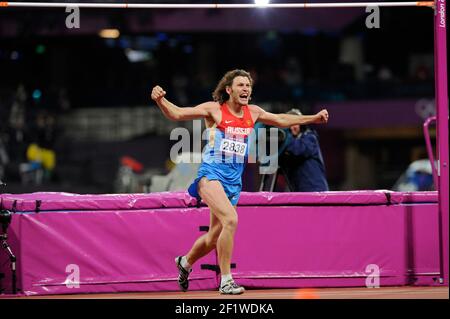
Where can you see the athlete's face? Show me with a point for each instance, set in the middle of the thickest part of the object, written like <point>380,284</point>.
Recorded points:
<point>240,90</point>
<point>295,129</point>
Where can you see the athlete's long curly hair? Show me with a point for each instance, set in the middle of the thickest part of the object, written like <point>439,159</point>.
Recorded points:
<point>220,94</point>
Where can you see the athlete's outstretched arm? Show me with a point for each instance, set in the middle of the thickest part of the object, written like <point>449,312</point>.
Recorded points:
<point>287,120</point>
<point>175,113</point>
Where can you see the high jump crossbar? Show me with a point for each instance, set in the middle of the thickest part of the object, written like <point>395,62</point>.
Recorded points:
<point>215,5</point>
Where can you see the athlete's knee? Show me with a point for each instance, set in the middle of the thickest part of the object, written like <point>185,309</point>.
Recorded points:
<point>230,222</point>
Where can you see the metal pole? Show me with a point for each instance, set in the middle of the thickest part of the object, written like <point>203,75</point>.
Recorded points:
<point>13,261</point>
<point>441,93</point>
<point>214,6</point>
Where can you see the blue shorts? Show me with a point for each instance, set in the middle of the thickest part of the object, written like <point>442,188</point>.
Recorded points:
<point>233,191</point>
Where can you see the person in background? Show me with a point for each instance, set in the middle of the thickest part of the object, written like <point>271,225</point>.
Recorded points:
<point>41,150</point>
<point>303,161</point>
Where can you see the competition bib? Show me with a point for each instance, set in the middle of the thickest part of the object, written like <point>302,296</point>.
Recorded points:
<point>233,147</point>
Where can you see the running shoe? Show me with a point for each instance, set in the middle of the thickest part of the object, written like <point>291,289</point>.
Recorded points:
<point>183,275</point>
<point>231,288</point>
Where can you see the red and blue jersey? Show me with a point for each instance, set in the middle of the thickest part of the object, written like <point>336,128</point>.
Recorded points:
<point>226,150</point>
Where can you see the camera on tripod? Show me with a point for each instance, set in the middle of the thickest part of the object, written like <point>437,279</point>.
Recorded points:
<point>269,166</point>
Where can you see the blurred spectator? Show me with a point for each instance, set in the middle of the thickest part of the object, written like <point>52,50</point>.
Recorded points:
<point>40,152</point>
<point>14,136</point>
<point>292,73</point>
<point>417,177</point>
<point>303,160</point>
<point>292,77</point>
<point>63,100</point>
<point>385,74</point>
<point>180,84</point>
<point>4,160</point>
<point>422,73</point>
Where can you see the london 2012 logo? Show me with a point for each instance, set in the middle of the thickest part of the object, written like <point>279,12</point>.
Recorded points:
<point>441,12</point>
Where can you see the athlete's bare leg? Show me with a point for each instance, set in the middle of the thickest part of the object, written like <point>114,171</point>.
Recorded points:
<point>214,196</point>
<point>207,242</point>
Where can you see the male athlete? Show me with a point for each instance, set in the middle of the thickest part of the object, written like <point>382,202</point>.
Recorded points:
<point>229,121</point>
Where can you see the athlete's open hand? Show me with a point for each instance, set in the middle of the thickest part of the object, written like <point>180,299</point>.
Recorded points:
<point>322,117</point>
<point>158,93</point>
